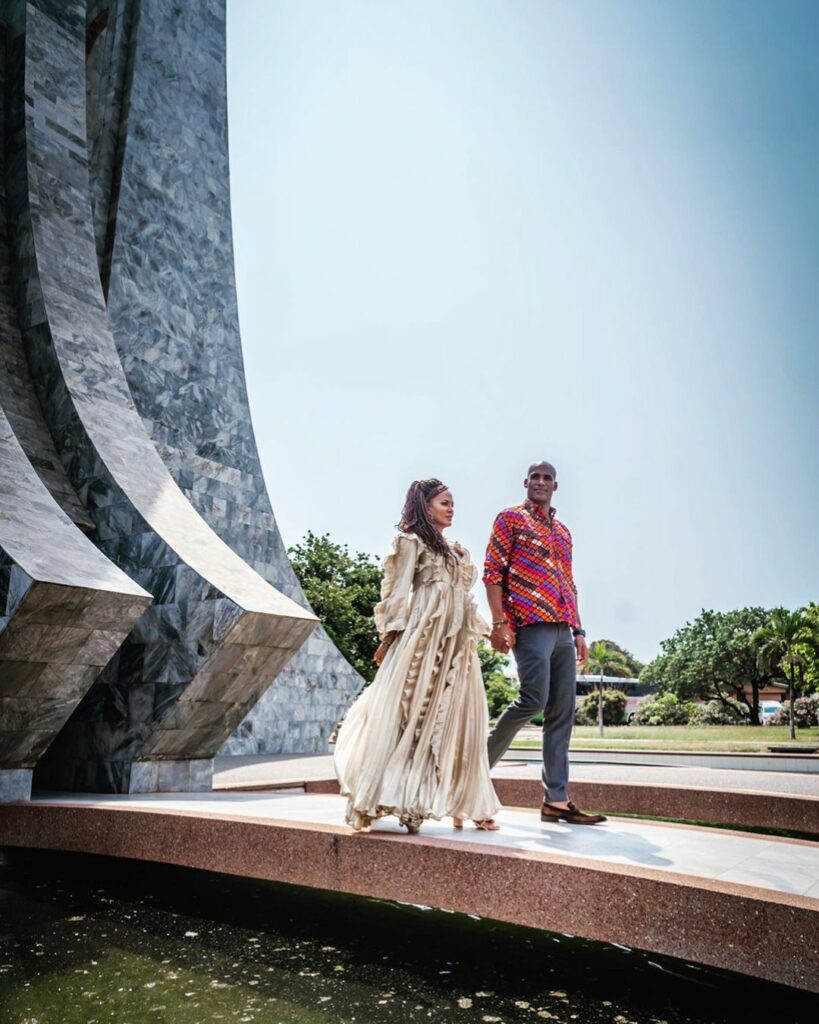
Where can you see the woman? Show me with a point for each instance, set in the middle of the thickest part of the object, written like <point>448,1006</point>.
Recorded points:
<point>414,743</point>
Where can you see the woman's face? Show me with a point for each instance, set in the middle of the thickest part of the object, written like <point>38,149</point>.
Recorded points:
<point>441,509</point>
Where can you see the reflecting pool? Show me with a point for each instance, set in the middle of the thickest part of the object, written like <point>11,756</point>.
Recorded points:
<point>89,940</point>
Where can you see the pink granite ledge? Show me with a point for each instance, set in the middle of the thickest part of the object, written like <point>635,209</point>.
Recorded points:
<point>726,807</point>
<point>765,934</point>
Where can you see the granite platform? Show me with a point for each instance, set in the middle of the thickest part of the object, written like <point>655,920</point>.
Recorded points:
<point>740,902</point>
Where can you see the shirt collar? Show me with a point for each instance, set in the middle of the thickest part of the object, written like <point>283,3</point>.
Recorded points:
<point>534,509</point>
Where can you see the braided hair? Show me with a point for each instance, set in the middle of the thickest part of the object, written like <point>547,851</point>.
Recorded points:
<point>415,515</point>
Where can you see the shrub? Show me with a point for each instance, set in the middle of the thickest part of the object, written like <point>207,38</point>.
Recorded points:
<point>717,712</point>
<point>805,712</point>
<point>614,708</point>
<point>663,709</point>
<point>499,692</point>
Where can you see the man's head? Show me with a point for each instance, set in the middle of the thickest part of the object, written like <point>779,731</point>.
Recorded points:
<point>541,483</point>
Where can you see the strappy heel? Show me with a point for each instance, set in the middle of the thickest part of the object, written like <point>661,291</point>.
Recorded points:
<point>485,825</point>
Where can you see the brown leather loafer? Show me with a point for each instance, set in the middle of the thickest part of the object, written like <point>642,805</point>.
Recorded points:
<point>571,814</point>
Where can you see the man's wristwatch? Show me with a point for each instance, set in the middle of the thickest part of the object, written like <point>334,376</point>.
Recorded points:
<point>578,632</point>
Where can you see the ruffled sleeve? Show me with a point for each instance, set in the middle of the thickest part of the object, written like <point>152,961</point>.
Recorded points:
<point>392,612</point>
<point>475,622</point>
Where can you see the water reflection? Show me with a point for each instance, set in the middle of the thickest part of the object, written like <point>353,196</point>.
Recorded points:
<point>87,940</point>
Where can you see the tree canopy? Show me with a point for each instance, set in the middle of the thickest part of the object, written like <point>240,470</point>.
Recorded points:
<point>808,649</point>
<point>608,659</point>
<point>782,644</point>
<point>713,658</point>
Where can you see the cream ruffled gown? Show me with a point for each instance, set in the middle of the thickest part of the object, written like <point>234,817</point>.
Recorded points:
<point>414,742</point>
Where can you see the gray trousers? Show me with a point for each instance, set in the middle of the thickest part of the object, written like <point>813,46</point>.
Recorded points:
<point>545,655</point>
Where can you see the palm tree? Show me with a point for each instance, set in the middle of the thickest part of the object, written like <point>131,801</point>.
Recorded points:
<point>777,642</point>
<point>603,660</point>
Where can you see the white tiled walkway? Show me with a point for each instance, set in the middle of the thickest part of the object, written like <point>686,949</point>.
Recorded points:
<point>784,866</point>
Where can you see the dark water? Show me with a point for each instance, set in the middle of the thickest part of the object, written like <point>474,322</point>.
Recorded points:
<point>88,940</point>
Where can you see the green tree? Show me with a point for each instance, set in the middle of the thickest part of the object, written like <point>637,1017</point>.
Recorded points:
<point>809,650</point>
<point>714,658</point>
<point>779,647</point>
<point>343,589</point>
<point>635,666</point>
<point>605,660</point>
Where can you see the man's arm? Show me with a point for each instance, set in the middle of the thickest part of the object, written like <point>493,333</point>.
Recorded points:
<point>580,645</point>
<point>503,636</point>
<point>496,564</point>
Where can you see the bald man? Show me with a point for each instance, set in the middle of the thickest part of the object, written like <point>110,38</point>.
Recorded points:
<point>533,600</point>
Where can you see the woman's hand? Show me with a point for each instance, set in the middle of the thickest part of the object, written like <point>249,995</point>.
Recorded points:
<point>502,637</point>
<point>383,647</point>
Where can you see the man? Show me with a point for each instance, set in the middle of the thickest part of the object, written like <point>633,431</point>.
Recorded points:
<point>533,600</point>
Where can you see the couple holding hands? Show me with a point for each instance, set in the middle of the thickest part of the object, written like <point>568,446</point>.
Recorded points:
<point>414,744</point>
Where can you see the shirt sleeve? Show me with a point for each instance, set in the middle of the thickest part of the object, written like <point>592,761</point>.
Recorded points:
<point>568,563</point>
<point>392,611</point>
<point>498,551</point>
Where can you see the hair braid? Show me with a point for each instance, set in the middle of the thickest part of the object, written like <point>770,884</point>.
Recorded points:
<point>415,515</point>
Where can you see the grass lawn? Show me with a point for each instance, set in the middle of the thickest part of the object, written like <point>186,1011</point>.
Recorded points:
<point>676,737</point>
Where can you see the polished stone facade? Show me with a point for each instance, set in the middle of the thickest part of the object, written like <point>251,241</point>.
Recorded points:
<point>126,415</point>
<point>65,610</point>
<point>172,306</point>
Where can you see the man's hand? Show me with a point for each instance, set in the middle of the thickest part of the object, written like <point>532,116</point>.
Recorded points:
<point>502,638</point>
<point>582,649</point>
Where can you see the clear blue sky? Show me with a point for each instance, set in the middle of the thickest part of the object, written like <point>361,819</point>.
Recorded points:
<point>473,234</point>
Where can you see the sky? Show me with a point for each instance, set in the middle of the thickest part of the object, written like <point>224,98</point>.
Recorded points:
<point>471,235</point>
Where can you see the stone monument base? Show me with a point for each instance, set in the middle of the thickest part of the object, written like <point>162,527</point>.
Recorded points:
<point>15,784</point>
<point>171,776</point>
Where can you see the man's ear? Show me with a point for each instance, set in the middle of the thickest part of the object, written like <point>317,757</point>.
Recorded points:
<point>556,485</point>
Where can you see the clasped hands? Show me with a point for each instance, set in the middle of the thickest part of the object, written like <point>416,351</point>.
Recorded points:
<point>502,640</point>
<point>502,637</point>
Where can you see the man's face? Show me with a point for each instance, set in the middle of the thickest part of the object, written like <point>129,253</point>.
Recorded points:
<point>541,483</point>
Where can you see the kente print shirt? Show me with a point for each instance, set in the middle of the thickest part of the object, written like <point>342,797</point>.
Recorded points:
<point>530,556</point>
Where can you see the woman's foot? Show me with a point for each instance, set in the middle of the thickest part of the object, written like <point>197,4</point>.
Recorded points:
<point>487,825</point>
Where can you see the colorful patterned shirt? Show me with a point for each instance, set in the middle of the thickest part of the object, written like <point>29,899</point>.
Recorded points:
<point>530,556</point>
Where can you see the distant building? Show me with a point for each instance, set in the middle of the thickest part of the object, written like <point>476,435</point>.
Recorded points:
<point>770,691</point>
